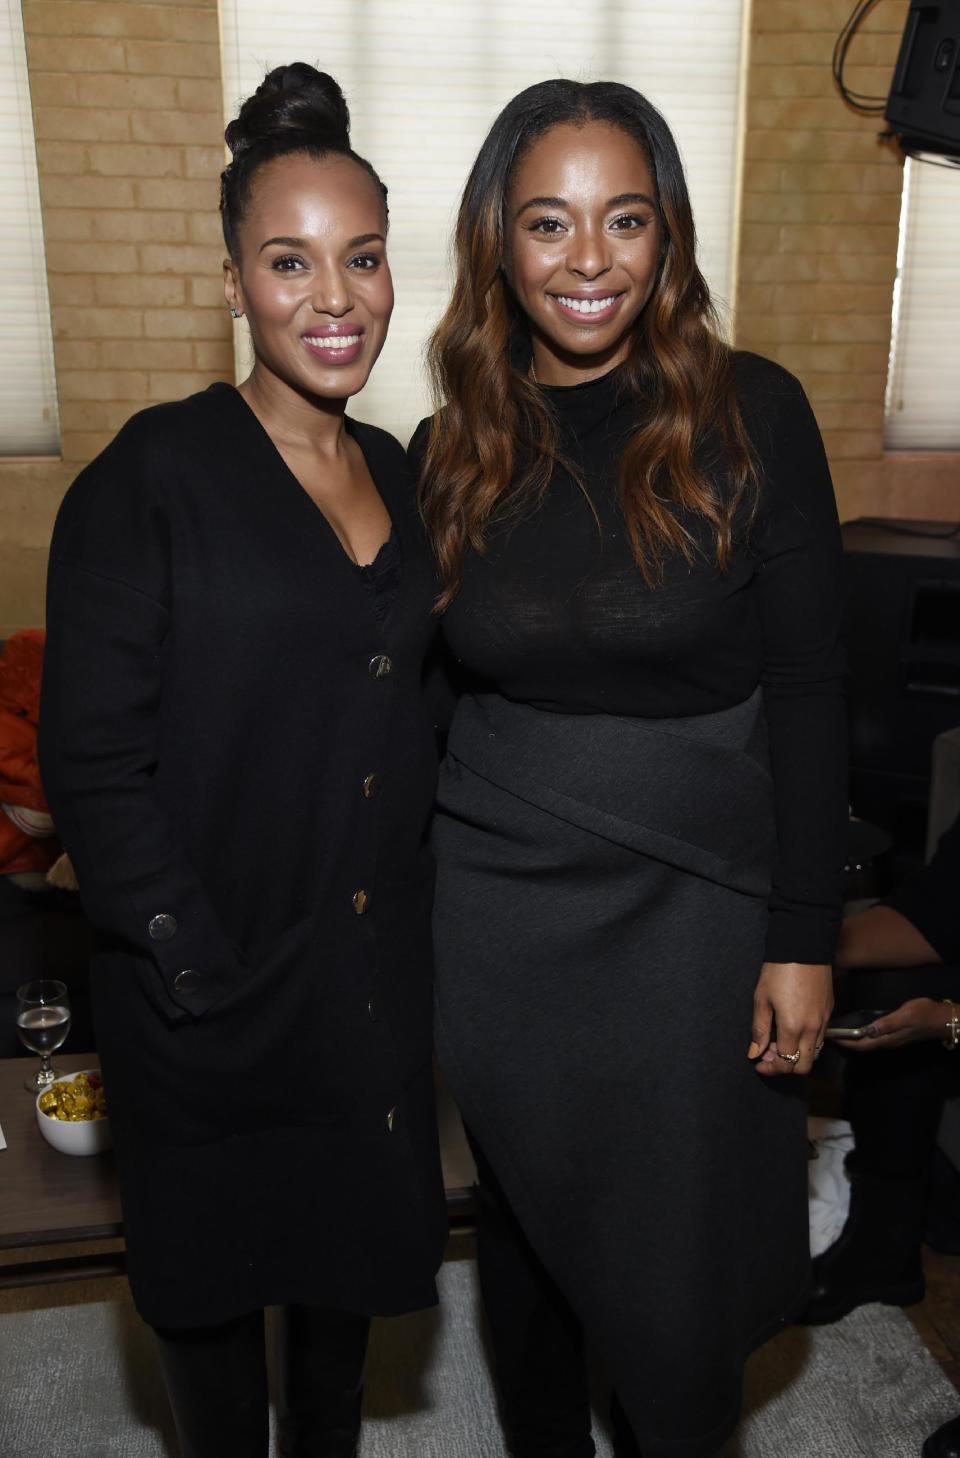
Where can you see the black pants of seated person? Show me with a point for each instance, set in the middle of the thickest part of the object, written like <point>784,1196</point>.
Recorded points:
<point>894,1100</point>
<point>216,1380</point>
<point>894,1097</point>
<point>536,1339</point>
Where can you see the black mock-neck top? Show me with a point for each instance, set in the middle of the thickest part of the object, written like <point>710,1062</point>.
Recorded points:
<point>556,614</point>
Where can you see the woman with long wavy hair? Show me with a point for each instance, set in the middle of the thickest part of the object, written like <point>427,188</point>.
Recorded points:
<point>641,812</point>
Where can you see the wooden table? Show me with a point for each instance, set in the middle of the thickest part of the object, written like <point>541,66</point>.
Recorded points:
<point>48,1198</point>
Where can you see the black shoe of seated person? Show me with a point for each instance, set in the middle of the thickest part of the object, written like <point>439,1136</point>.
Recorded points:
<point>945,1442</point>
<point>877,1255</point>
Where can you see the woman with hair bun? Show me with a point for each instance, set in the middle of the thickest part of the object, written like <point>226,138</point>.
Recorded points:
<point>236,753</point>
<point>642,809</point>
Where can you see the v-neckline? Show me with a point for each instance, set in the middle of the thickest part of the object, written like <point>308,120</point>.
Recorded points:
<point>312,506</point>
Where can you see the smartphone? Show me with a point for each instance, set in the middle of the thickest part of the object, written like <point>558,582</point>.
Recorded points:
<point>853,1024</point>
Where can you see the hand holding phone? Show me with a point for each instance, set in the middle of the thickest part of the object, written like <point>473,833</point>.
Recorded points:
<point>853,1024</point>
<point>919,1019</point>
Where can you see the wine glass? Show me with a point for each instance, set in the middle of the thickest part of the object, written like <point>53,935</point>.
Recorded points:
<point>43,1022</point>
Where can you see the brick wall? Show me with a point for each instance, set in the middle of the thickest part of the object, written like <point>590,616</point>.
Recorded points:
<point>819,226</point>
<point>129,125</point>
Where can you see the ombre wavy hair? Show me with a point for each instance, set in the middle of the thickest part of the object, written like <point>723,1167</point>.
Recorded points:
<point>493,443</point>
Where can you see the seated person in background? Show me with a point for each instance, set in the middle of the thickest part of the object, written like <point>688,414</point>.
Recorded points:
<point>28,847</point>
<point>894,1096</point>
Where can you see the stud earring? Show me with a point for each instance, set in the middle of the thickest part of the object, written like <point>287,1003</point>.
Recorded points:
<point>235,313</point>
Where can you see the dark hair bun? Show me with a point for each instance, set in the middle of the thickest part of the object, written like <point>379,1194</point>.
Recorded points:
<point>292,99</point>
<point>294,109</point>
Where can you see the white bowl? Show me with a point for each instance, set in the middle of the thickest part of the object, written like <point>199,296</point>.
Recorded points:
<point>82,1136</point>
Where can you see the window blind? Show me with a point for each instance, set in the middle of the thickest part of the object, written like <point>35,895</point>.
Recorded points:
<point>923,389</point>
<point>424,83</point>
<point>28,389</point>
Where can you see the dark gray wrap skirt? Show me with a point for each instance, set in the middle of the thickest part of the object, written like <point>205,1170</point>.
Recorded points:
<point>600,917</point>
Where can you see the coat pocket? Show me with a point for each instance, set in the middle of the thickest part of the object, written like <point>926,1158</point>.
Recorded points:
<point>227,1074</point>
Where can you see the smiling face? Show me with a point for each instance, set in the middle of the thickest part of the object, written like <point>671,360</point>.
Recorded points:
<point>582,244</point>
<point>312,276</point>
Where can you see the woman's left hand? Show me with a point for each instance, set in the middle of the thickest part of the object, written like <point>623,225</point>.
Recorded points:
<point>913,1022</point>
<point>798,998</point>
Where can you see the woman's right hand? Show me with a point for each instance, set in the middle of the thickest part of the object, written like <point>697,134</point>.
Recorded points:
<point>796,999</point>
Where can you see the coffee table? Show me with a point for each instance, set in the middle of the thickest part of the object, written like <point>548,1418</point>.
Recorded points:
<point>53,1199</point>
<point>48,1198</point>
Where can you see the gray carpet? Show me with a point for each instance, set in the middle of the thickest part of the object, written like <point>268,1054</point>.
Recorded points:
<point>79,1381</point>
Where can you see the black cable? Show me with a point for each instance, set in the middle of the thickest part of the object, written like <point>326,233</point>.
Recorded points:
<point>857,99</point>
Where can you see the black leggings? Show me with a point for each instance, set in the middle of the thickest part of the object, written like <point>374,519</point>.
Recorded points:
<point>216,1380</point>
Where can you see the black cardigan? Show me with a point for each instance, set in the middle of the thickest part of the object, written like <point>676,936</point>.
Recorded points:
<point>238,761</point>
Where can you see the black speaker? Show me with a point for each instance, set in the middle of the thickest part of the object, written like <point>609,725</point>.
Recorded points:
<point>903,646</point>
<point>924,102</point>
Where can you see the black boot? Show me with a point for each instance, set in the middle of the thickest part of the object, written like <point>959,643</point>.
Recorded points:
<point>216,1380</point>
<point>945,1442</point>
<point>877,1255</point>
<point>320,1365</point>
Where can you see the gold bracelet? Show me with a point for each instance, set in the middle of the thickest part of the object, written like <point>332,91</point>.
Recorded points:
<point>953,1026</point>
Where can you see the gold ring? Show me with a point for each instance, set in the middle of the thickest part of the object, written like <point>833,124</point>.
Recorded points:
<point>789,1057</point>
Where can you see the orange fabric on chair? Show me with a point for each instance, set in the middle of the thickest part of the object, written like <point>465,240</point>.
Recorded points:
<point>27,840</point>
